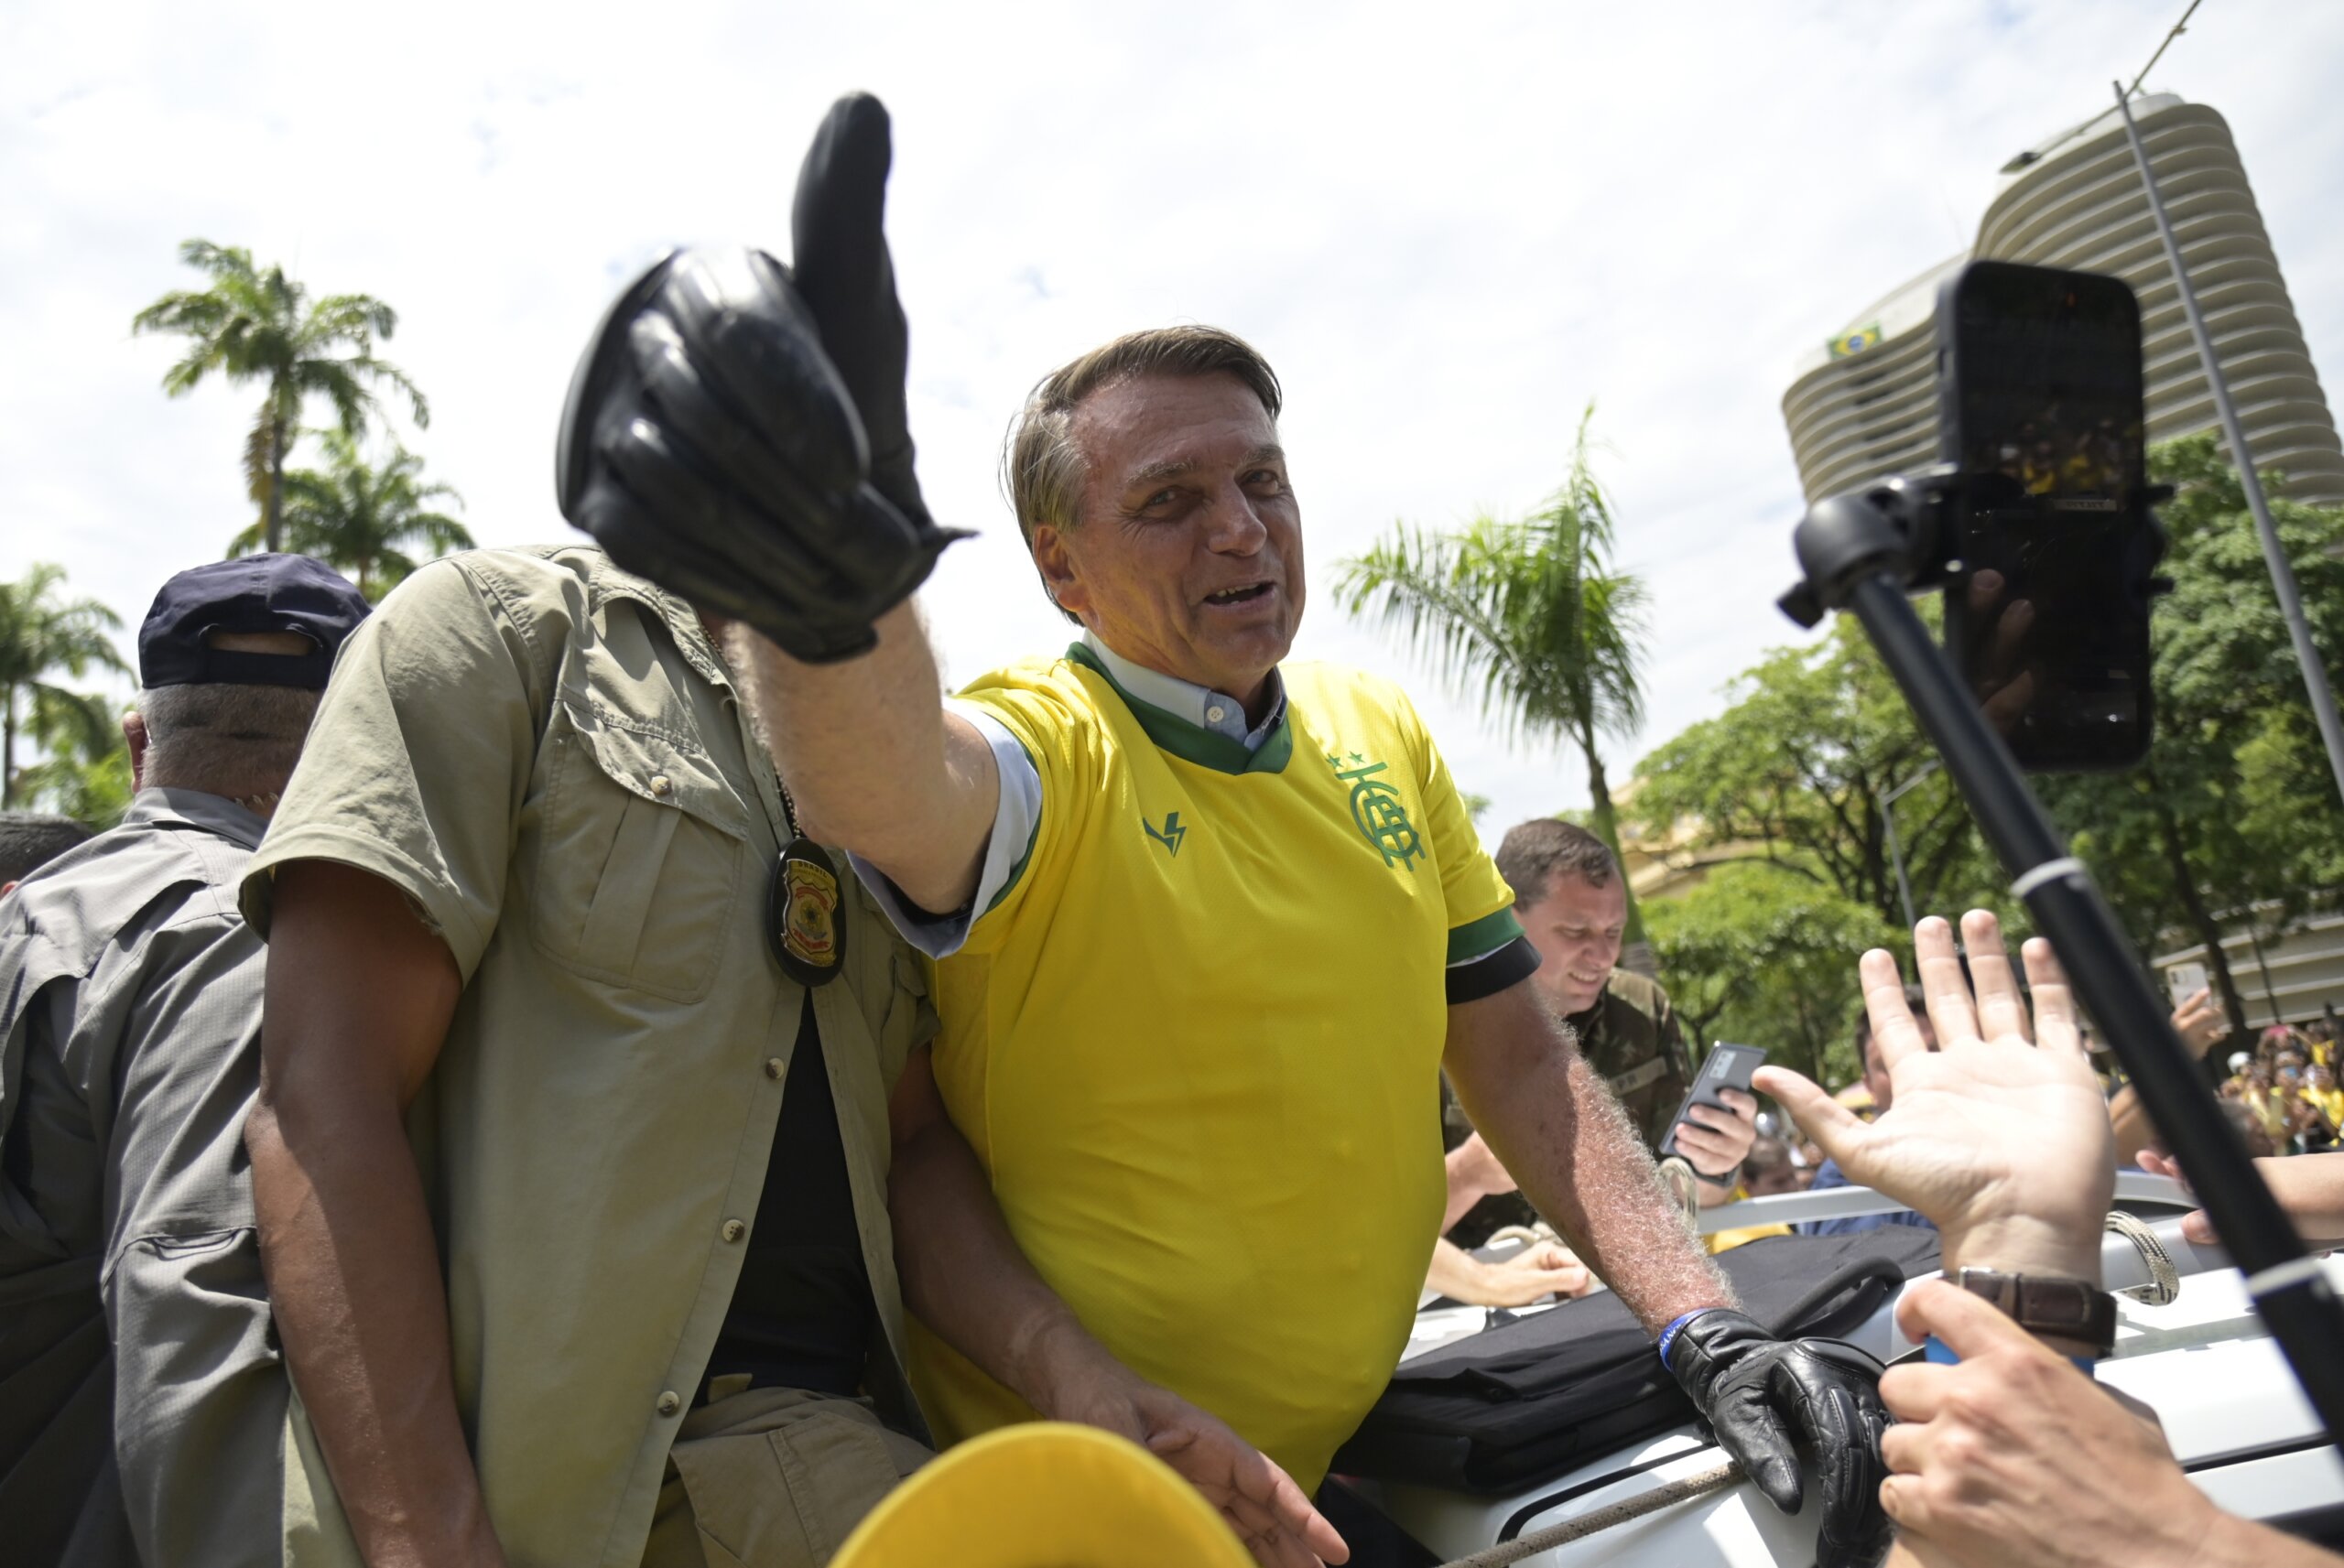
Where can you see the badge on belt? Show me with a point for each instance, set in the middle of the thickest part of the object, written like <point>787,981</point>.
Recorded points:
<point>803,919</point>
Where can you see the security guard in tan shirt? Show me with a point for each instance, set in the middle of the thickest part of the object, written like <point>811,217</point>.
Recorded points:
<point>571,1156</point>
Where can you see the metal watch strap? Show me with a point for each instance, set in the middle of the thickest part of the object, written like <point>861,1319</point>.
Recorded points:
<point>2046,1304</point>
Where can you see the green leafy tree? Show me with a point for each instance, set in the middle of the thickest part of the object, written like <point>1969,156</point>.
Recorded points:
<point>255,325</point>
<point>86,776</point>
<point>1797,771</point>
<point>1529,615</point>
<point>41,634</point>
<point>362,518</point>
<point>1766,958</point>
<point>2234,812</point>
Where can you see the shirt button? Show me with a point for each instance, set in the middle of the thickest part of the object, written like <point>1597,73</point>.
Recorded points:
<point>774,1067</point>
<point>660,786</point>
<point>669,1401</point>
<point>1215,715</point>
<point>733,1230</point>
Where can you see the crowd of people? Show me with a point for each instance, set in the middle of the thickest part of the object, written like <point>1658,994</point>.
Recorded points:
<point>2286,1087</point>
<point>598,1060</point>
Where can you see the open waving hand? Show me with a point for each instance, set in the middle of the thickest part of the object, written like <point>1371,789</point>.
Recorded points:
<point>2000,1135</point>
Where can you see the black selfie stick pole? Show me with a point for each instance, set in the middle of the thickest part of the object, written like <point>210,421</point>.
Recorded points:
<point>1859,551</point>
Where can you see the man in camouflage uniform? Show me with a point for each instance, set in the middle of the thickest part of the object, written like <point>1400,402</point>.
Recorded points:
<point>1572,902</point>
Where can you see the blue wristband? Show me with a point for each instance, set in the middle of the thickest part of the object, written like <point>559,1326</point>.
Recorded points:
<point>1668,1335</point>
<point>1937,1350</point>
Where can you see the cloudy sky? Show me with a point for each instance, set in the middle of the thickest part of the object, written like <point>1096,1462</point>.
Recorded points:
<point>1450,227</point>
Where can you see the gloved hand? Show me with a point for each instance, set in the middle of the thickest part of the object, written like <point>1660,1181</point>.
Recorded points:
<point>738,435</point>
<point>1764,1395</point>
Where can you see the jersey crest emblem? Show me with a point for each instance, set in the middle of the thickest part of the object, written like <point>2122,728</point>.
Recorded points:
<point>1379,813</point>
<point>1170,834</point>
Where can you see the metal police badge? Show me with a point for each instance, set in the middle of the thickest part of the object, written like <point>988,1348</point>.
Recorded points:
<point>803,917</point>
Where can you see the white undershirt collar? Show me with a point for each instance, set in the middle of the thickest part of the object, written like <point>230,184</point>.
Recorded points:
<point>1207,709</point>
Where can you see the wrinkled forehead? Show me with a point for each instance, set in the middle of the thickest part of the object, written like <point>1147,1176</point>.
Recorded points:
<point>1145,426</point>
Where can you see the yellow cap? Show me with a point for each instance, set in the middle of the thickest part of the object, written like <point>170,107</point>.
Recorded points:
<point>1044,1494</point>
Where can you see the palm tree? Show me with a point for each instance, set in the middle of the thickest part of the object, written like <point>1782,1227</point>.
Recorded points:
<point>39,633</point>
<point>355,516</point>
<point>251,325</point>
<point>1533,614</point>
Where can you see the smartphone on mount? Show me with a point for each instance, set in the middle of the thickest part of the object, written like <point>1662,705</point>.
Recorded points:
<point>1727,1067</point>
<point>2053,547</point>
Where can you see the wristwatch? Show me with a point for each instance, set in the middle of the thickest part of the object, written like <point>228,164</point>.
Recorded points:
<point>1724,1179</point>
<point>2048,1303</point>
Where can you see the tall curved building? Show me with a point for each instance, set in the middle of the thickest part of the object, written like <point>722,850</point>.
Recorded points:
<point>1864,403</point>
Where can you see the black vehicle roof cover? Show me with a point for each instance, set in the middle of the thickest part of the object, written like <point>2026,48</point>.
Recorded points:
<point>1520,1405</point>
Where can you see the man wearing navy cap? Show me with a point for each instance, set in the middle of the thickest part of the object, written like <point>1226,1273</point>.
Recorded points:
<point>141,1398</point>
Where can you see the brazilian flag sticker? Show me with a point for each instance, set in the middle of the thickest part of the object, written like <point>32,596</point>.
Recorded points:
<point>1848,345</point>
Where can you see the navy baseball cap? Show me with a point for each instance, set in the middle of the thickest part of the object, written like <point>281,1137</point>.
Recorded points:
<point>252,593</point>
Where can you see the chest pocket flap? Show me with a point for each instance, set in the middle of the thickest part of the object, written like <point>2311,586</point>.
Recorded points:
<point>641,859</point>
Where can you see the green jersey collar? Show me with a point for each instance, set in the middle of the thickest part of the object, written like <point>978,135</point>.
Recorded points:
<point>1183,736</point>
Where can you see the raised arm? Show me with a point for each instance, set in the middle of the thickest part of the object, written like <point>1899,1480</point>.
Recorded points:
<point>2011,1458</point>
<point>359,998</point>
<point>737,432</point>
<point>875,762</point>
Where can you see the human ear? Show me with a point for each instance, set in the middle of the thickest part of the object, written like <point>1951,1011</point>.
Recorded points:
<point>1061,573</point>
<point>134,733</point>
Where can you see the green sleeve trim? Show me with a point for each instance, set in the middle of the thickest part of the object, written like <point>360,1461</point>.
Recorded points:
<point>1479,938</point>
<point>1192,744</point>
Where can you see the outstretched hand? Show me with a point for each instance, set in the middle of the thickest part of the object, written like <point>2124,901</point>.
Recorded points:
<point>1998,1136</point>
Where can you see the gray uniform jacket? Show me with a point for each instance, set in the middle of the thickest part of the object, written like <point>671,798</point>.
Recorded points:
<point>130,1010</point>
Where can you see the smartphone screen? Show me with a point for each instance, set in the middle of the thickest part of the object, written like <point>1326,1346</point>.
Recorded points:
<point>2047,606</point>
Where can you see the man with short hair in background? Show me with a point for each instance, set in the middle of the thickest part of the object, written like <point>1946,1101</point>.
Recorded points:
<point>1570,896</point>
<point>30,840</point>
<point>141,1400</point>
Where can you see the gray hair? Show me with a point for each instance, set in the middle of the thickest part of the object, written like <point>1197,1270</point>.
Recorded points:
<point>1043,468</point>
<point>224,739</point>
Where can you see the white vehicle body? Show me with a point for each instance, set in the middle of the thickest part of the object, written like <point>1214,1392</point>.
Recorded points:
<point>2231,1410</point>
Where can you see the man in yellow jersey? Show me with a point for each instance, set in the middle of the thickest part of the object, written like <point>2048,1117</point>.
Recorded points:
<point>1209,924</point>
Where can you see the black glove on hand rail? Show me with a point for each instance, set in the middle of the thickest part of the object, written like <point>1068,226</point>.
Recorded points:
<point>1765,1396</point>
<point>737,434</point>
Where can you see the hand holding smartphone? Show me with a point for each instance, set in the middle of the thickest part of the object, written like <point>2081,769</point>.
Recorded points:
<point>1728,1066</point>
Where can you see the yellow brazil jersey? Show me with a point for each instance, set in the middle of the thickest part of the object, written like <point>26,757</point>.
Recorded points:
<point>1195,1043</point>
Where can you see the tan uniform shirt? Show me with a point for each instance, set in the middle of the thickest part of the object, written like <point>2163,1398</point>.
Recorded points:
<point>547,755</point>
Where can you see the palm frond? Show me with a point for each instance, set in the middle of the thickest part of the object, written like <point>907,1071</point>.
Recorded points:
<point>1529,616</point>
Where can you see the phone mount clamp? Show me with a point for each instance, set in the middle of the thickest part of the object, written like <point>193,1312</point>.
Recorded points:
<point>1865,552</point>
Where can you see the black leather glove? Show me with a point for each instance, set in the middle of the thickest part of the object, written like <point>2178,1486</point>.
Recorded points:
<point>730,440</point>
<point>1767,1397</point>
